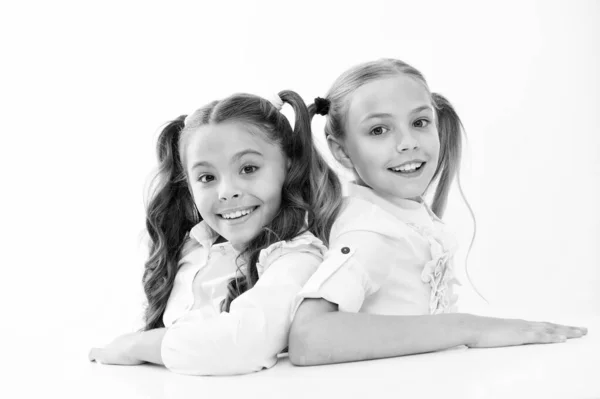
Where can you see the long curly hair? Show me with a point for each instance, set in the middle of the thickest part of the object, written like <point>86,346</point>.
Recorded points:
<point>310,199</point>
<point>450,128</point>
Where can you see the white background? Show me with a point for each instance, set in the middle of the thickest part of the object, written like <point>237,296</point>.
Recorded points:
<point>85,88</point>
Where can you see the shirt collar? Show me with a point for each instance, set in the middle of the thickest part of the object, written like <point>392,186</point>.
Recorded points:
<point>203,234</point>
<point>404,209</point>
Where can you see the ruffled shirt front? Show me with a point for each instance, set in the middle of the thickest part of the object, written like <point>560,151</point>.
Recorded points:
<point>202,340</point>
<point>386,258</point>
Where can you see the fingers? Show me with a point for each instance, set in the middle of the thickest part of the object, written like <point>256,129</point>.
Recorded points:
<point>567,331</point>
<point>556,338</point>
<point>95,355</point>
<point>541,335</point>
<point>543,332</point>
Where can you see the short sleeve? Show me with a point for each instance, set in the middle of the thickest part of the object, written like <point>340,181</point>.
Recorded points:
<point>304,243</point>
<point>355,267</point>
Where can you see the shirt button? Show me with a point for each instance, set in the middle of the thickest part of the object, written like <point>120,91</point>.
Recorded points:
<point>345,250</point>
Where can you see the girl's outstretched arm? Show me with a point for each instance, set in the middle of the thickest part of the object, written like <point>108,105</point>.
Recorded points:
<point>131,349</point>
<point>243,340</point>
<point>322,335</point>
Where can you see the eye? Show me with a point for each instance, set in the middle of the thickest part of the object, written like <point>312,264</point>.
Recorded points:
<point>421,123</point>
<point>249,169</point>
<point>206,178</point>
<point>378,131</point>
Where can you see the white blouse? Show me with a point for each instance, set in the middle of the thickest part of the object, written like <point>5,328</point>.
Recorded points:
<point>386,258</point>
<point>202,340</point>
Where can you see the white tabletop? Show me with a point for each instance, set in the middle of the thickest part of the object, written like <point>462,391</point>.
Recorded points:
<point>568,370</point>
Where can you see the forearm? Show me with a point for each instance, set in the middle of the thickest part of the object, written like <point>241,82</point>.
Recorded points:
<point>337,337</point>
<point>147,346</point>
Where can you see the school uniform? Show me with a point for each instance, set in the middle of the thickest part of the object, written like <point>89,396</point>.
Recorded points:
<point>202,340</point>
<point>386,258</point>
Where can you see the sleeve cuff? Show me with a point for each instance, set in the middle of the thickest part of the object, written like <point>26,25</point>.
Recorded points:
<point>196,347</point>
<point>338,280</point>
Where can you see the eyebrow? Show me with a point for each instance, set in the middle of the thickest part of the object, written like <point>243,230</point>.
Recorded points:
<point>235,158</point>
<point>422,108</point>
<point>240,154</point>
<point>376,115</point>
<point>387,115</point>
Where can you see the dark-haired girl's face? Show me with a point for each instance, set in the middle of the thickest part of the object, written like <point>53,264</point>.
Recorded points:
<point>236,177</point>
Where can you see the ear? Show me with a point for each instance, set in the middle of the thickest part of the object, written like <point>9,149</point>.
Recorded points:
<point>336,147</point>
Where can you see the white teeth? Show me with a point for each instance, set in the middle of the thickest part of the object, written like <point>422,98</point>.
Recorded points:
<point>237,214</point>
<point>409,167</point>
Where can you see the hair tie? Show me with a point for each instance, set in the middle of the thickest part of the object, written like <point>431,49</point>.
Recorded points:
<point>322,106</point>
<point>276,101</point>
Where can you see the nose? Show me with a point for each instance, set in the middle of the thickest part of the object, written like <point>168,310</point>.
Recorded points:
<point>406,141</point>
<point>228,190</point>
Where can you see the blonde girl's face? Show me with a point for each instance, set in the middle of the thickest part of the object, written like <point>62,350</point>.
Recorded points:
<point>236,177</point>
<point>391,139</point>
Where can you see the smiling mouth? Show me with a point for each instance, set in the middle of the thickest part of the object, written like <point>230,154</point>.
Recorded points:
<point>237,214</point>
<point>408,167</point>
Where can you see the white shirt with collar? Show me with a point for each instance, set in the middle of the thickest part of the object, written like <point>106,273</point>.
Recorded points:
<point>202,340</point>
<point>386,258</point>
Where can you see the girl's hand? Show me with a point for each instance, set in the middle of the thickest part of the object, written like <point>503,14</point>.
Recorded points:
<point>117,352</point>
<point>493,332</point>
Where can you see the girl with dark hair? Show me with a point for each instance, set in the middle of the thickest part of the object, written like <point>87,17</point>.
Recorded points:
<point>241,208</point>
